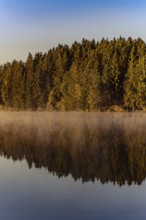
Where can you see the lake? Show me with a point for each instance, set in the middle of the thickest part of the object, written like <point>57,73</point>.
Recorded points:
<point>72,166</point>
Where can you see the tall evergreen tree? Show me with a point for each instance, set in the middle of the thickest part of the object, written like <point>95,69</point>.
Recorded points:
<point>29,81</point>
<point>6,89</point>
<point>135,84</point>
<point>18,85</point>
<point>94,94</point>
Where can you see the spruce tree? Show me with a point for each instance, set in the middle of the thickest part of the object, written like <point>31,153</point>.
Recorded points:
<point>29,82</point>
<point>135,84</point>
<point>18,85</point>
<point>6,89</point>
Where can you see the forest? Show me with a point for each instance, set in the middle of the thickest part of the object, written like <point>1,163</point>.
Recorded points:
<point>86,76</point>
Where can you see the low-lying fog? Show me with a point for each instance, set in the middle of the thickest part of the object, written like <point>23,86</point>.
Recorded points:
<point>73,126</point>
<point>109,146</point>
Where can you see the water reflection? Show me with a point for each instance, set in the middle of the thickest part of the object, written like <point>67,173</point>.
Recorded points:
<point>109,147</point>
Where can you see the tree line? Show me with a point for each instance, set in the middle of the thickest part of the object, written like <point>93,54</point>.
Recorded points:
<point>87,76</point>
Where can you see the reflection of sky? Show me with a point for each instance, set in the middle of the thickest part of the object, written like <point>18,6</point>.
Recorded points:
<point>36,194</point>
<point>39,25</point>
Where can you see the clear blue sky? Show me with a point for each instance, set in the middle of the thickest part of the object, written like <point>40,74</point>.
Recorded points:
<point>38,25</point>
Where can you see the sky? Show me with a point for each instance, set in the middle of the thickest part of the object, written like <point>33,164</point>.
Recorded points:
<point>39,25</point>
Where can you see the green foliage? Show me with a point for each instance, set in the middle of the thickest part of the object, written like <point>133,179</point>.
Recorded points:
<point>18,85</point>
<point>87,76</point>
<point>94,95</point>
<point>135,83</point>
<point>6,86</point>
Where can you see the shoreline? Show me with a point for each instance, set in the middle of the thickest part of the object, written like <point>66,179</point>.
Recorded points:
<point>114,108</point>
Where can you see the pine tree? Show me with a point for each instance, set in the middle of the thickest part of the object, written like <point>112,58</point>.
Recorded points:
<point>94,96</point>
<point>61,66</point>
<point>18,85</point>
<point>29,82</point>
<point>6,89</point>
<point>115,77</point>
<point>135,84</point>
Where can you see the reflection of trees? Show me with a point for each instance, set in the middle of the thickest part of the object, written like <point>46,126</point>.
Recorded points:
<point>87,146</point>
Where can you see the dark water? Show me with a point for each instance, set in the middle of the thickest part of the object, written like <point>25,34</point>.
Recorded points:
<point>72,166</point>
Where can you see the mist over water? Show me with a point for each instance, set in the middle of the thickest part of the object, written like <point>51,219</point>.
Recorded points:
<point>59,166</point>
<point>109,147</point>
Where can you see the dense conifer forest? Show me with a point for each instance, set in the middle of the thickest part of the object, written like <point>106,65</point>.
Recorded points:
<point>87,76</point>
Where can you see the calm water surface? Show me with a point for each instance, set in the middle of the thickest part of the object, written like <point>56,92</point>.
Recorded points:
<point>72,166</point>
